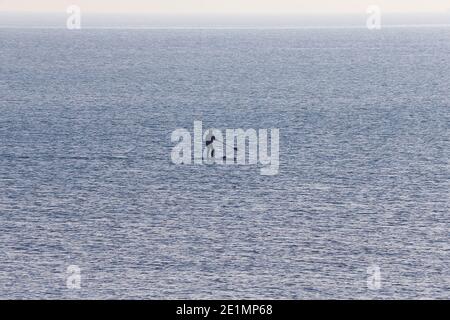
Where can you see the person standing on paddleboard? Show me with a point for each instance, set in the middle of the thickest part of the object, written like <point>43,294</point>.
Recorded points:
<point>210,145</point>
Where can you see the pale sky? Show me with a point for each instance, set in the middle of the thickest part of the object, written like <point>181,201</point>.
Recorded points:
<point>227,6</point>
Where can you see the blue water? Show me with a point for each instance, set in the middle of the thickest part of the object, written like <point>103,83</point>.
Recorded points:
<point>364,121</point>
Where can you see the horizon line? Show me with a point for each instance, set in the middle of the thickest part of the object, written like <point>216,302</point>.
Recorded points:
<point>392,26</point>
<point>249,13</point>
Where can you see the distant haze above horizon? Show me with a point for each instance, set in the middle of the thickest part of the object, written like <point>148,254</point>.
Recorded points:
<point>227,6</point>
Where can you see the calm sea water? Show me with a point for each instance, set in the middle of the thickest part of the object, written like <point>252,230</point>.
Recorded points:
<point>364,175</point>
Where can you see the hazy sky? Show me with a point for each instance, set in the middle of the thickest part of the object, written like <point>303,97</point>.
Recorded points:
<point>228,6</point>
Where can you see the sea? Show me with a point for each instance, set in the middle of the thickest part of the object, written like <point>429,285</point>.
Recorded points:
<point>92,206</point>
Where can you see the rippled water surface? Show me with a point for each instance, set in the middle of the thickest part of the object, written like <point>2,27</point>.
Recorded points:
<point>364,174</point>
